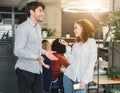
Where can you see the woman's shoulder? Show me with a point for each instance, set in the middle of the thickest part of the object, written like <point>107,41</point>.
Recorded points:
<point>58,55</point>
<point>91,40</point>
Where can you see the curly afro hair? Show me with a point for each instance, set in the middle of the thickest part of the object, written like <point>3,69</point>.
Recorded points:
<point>58,47</point>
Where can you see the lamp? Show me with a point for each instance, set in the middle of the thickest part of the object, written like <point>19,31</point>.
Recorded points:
<point>77,9</point>
<point>86,6</point>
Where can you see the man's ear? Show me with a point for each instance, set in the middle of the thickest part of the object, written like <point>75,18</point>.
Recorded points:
<point>31,12</point>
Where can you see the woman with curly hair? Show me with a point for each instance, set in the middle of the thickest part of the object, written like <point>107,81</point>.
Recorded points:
<point>82,57</point>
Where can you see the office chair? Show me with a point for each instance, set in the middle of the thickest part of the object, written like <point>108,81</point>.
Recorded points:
<point>57,87</point>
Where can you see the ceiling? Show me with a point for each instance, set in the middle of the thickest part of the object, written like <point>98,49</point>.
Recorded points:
<point>10,3</point>
<point>21,3</point>
<point>64,3</point>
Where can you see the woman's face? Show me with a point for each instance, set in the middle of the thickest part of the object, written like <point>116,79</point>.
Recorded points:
<point>77,30</point>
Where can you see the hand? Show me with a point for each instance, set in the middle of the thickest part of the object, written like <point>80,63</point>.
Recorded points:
<point>50,55</point>
<point>41,60</point>
<point>63,42</point>
<point>82,85</point>
<point>44,65</point>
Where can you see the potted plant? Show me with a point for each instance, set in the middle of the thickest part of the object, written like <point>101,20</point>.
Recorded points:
<point>67,35</point>
<point>113,90</point>
<point>48,32</point>
<point>113,24</point>
<point>113,72</point>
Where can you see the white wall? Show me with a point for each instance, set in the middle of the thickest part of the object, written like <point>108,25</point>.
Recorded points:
<point>117,5</point>
<point>114,5</point>
<point>53,16</point>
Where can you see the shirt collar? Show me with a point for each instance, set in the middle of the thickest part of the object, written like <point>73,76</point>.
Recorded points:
<point>31,22</point>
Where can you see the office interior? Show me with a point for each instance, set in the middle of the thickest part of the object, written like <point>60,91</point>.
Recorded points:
<point>59,16</point>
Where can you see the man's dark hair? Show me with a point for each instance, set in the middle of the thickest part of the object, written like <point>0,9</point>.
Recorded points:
<point>32,6</point>
<point>58,47</point>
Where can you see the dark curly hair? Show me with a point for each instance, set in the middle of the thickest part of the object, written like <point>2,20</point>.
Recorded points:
<point>58,47</point>
<point>32,6</point>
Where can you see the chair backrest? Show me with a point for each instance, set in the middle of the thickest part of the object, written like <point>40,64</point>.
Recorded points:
<point>57,87</point>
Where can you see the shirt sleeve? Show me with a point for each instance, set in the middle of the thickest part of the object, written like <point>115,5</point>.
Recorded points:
<point>68,54</point>
<point>88,74</point>
<point>64,61</point>
<point>43,51</point>
<point>21,38</point>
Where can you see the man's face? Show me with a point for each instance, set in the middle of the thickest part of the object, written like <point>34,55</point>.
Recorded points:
<point>38,14</point>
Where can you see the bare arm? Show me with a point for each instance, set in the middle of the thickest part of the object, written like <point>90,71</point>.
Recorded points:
<point>41,60</point>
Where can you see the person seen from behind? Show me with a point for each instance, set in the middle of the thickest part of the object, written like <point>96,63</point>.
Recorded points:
<point>46,45</point>
<point>62,61</point>
<point>57,65</point>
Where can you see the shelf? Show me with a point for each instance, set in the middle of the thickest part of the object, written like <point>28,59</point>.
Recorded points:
<point>5,47</point>
<point>105,80</point>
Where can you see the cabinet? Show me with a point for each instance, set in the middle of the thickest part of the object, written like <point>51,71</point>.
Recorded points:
<point>6,48</point>
<point>10,16</point>
<point>6,44</point>
<point>8,83</point>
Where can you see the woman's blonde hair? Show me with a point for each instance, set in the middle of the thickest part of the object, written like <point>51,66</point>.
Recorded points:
<point>46,45</point>
<point>87,30</point>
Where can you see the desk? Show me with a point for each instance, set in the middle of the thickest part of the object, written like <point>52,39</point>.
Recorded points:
<point>104,81</point>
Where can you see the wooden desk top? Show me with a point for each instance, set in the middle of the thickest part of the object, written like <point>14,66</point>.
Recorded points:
<point>105,80</point>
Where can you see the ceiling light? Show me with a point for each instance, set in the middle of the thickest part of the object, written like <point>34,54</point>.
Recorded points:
<point>77,9</point>
<point>86,6</point>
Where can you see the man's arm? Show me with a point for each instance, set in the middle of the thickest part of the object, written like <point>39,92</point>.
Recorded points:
<point>21,38</point>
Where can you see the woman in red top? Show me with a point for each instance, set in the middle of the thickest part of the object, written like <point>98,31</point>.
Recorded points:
<point>62,61</point>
